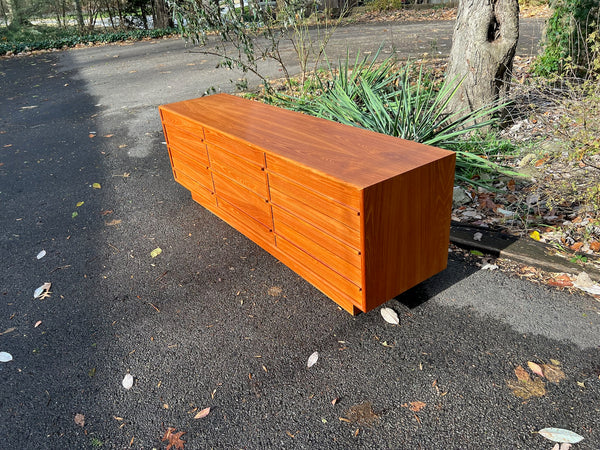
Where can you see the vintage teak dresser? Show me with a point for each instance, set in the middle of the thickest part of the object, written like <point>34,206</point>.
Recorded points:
<point>360,215</point>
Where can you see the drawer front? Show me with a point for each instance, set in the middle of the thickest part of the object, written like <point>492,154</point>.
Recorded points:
<point>240,149</point>
<point>331,260</point>
<point>315,217</point>
<point>334,189</point>
<point>171,120</point>
<point>239,220</point>
<point>247,201</point>
<point>205,198</point>
<point>249,175</point>
<point>327,279</point>
<point>186,143</point>
<point>329,207</point>
<point>181,162</point>
<point>189,182</point>
<point>315,235</point>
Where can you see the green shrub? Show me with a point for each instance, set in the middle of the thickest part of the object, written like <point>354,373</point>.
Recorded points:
<point>72,39</point>
<point>401,102</point>
<point>571,42</point>
<point>386,5</point>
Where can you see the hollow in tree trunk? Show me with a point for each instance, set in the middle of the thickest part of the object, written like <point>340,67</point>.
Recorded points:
<point>483,48</point>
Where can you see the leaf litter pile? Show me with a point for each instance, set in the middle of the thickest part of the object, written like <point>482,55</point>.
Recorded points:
<point>526,386</point>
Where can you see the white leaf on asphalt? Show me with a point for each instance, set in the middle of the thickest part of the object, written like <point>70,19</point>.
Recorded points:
<point>5,357</point>
<point>39,291</point>
<point>127,381</point>
<point>477,236</point>
<point>489,266</point>
<point>202,414</point>
<point>390,316</point>
<point>561,435</point>
<point>41,254</point>
<point>312,359</point>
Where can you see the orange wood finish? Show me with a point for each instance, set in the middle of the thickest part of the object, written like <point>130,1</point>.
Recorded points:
<point>360,215</point>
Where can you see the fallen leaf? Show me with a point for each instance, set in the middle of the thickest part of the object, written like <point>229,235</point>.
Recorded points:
<point>37,324</point>
<point>91,136</point>
<point>361,414</point>
<point>127,381</point>
<point>96,186</point>
<point>390,316</point>
<point>416,406</point>
<point>476,253</point>
<point>581,384</point>
<point>157,251</point>
<point>312,359</point>
<point>108,135</point>
<point>535,368</point>
<point>5,357</point>
<point>527,389</point>
<point>489,266</point>
<point>74,214</point>
<point>595,246</point>
<point>173,439</point>
<point>41,254</point>
<point>43,289</point>
<point>477,236</point>
<point>323,420</point>
<point>553,373</point>
<point>561,435</point>
<point>522,374</point>
<point>335,400</point>
<point>274,291</point>
<point>106,212</point>
<point>535,235</point>
<point>561,281</point>
<point>113,222</point>
<point>8,330</point>
<point>80,420</point>
<point>92,372</point>
<point>576,246</point>
<point>202,414</point>
<point>555,362</point>
<point>80,204</point>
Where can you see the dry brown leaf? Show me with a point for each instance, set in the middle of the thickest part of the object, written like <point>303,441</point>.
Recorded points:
<point>522,374</point>
<point>173,439</point>
<point>561,281</point>
<point>362,414</point>
<point>416,406</point>
<point>113,222</point>
<point>80,419</point>
<point>553,373</point>
<point>8,330</point>
<point>527,389</point>
<point>202,414</point>
<point>595,246</point>
<point>274,291</point>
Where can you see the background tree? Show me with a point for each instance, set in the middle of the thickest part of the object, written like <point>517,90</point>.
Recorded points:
<point>483,47</point>
<point>19,15</point>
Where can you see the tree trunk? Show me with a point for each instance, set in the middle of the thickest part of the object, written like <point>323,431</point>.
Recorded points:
<point>163,18</point>
<point>483,48</point>
<point>79,10</point>
<point>19,16</point>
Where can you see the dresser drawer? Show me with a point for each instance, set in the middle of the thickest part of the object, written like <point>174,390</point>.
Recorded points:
<point>205,198</point>
<point>328,206</point>
<point>249,175</point>
<point>187,143</point>
<point>247,201</point>
<point>333,188</point>
<point>315,235</point>
<point>319,219</point>
<point>181,162</point>
<point>240,149</point>
<point>322,254</point>
<point>246,225</point>
<point>325,274</point>
<point>171,120</point>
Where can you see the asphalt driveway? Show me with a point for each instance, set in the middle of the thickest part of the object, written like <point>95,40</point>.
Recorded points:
<point>213,320</point>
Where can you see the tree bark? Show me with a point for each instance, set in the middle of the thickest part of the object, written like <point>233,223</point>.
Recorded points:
<point>79,10</point>
<point>483,48</point>
<point>19,15</point>
<point>163,18</point>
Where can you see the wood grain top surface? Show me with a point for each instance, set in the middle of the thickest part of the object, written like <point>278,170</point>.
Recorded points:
<point>355,156</point>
